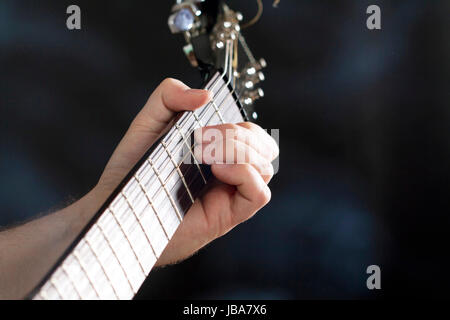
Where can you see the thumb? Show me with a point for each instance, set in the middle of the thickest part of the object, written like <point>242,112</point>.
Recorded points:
<point>170,97</point>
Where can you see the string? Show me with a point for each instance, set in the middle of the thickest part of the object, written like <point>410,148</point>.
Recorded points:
<point>221,77</point>
<point>159,150</point>
<point>187,119</point>
<point>161,188</point>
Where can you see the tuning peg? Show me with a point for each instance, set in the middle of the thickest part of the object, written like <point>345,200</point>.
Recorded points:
<point>184,17</point>
<point>251,96</point>
<point>253,67</point>
<point>251,80</point>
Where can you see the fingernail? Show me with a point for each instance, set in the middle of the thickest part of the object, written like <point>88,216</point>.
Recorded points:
<point>199,92</point>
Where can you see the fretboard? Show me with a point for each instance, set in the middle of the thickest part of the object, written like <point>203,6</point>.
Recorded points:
<point>117,250</point>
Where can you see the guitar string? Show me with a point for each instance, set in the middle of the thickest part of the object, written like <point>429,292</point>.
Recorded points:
<point>201,117</point>
<point>162,187</point>
<point>140,214</point>
<point>160,151</point>
<point>216,81</point>
<point>181,143</point>
<point>170,175</point>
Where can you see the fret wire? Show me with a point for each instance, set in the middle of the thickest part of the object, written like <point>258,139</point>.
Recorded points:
<point>139,223</point>
<point>177,168</point>
<point>53,283</point>
<point>179,145</point>
<point>101,266</point>
<point>158,150</point>
<point>195,116</point>
<point>44,295</point>
<point>217,80</point>
<point>116,256</point>
<point>190,150</point>
<point>128,240</point>
<point>173,171</point>
<point>167,192</point>
<point>218,112</point>
<point>75,254</point>
<point>150,201</point>
<point>63,268</point>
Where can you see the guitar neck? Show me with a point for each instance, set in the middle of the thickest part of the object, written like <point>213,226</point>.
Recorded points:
<point>116,251</point>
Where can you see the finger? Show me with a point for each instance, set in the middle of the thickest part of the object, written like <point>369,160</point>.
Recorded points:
<point>234,152</point>
<point>252,192</point>
<point>268,138</point>
<point>259,140</point>
<point>170,97</point>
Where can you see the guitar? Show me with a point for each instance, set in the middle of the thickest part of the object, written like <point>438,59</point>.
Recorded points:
<point>116,251</point>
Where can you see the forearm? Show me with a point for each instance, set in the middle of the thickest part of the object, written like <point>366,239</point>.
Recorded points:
<point>27,252</point>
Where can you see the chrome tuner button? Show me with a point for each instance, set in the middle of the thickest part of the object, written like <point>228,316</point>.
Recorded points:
<point>262,63</point>
<point>254,67</point>
<point>184,20</point>
<point>251,96</point>
<point>184,17</point>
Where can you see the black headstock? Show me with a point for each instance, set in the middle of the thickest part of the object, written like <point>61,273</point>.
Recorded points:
<point>214,41</point>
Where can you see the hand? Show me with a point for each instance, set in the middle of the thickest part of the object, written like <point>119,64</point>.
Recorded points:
<point>241,188</point>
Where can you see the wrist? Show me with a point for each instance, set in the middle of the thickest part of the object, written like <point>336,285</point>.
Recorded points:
<point>83,210</point>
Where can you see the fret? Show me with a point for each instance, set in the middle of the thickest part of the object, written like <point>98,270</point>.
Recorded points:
<point>232,113</point>
<point>167,192</point>
<point>195,183</point>
<point>49,292</point>
<point>66,273</point>
<point>136,214</point>
<point>190,149</point>
<point>169,216</point>
<point>55,285</point>
<point>75,273</point>
<point>206,113</point>
<point>121,221</point>
<point>110,264</point>
<point>160,164</point>
<point>217,111</point>
<point>150,202</point>
<point>93,271</point>
<point>114,251</point>
<point>64,285</point>
<point>84,270</point>
<point>136,235</point>
<point>113,258</point>
<point>150,222</point>
<point>100,269</point>
<point>177,168</point>
<point>123,251</point>
<point>142,174</point>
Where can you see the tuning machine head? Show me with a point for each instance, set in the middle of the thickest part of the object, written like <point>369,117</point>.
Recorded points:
<point>185,17</point>
<point>249,78</point>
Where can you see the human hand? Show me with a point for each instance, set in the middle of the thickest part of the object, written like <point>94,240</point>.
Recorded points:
<point>240,190</point>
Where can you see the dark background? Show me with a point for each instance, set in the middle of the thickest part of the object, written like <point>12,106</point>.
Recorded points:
<point>364,137</point>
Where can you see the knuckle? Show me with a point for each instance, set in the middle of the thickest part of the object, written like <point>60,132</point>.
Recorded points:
<point>247,168</point>
<point>268,169</point>
<point>167,82</point>
<point>249,125</point>
<point>263,195</point>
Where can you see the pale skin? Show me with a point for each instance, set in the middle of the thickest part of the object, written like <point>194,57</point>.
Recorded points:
<point>28,251</point>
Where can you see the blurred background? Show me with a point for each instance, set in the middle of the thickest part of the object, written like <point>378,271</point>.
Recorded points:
<point>364,138</point>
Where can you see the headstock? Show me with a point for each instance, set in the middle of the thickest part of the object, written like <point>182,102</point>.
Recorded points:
<point>214,42</point>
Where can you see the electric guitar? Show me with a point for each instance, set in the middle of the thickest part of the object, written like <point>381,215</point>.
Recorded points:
<point>118,248</point>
